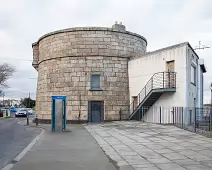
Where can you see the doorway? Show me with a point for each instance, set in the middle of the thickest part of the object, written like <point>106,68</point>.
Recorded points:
<point>135,102</point>
<point>96,111</point>
<point>58,113</point>
<point>170,66</point>
<point>170,77</point>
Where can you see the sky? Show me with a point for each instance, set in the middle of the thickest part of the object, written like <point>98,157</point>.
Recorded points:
<point>162,22</point>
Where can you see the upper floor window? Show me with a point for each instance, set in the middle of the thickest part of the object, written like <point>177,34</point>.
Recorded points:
<point>95,81</point>
<point>193,74</point>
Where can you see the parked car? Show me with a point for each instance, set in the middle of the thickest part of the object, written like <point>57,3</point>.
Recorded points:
<point>30,111</point>
<point>21,113</point>
<point>1,113</point>
<point>13,110</point>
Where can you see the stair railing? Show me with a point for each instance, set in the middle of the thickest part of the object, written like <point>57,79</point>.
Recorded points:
<point>160,80</point>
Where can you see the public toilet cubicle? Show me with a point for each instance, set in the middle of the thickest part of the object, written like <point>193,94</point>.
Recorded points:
<point>58,113</point>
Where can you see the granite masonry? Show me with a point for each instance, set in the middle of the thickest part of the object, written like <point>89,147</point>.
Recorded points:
<point>66,60</point>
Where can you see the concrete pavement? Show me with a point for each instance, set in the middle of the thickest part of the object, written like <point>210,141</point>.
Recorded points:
<point>142,146</point>
<point>75,150</point>
<point>14,138</point>
<point>128,146</point>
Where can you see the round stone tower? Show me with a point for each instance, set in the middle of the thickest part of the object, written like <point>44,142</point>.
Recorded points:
<point>88,65</point>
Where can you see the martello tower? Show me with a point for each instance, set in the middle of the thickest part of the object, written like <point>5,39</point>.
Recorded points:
<point>89,65</point>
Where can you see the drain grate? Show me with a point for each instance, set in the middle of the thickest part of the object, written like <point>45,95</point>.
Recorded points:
<point>13,161</point>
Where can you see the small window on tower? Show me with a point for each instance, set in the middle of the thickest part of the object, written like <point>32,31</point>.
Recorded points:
<point>95,82</point>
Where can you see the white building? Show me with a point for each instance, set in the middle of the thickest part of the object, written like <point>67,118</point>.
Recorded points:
<point>7,101</point>
<point>164,79</point>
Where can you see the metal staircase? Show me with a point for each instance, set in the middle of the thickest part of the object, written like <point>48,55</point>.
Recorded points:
<point>159,83</point>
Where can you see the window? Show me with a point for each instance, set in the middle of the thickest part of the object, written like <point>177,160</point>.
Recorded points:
<point>95,81</point>
<point>193,74</point>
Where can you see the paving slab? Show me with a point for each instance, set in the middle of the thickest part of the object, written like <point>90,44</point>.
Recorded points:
<point>197,148</point>
<point>199,157</point>
<point>126,167</point>
<point>150,154</point>
<point>75,150</point>
<point>159,161</point>
<point>155,146</point>
<point>122,163</point>
<point>152,146</point>
<point>187,152</point>
<point>184,162</point>
<point>146,165</point>
<point>161,151</point>
<point>148,168</point>
<point>207,163</point>
<point>197,167</point>
<point>206,152</point>
<point>170,166</point>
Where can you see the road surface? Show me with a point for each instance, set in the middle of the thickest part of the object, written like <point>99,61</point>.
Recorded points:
<point>14,138</point>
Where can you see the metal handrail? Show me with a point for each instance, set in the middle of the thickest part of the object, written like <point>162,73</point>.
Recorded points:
<point>160,80</point>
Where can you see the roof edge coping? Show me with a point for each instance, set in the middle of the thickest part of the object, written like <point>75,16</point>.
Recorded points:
<point>88,29</point>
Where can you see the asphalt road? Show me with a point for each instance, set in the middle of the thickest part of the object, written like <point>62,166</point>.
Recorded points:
<point>14,138</point>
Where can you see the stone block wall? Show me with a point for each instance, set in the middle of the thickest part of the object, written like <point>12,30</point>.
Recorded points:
<point>71,77</point>
<point>66,59</point>
<point>91,42</point>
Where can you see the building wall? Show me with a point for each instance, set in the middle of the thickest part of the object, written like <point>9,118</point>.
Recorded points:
<point>187,95</point>
<point>67,58</point>
<point>153,114</point>
<point>200,87</point>
<point>88,42</point>
<point>142,69</point>
<point>193,98</point>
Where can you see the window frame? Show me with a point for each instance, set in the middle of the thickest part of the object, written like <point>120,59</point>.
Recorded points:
<point>95,88</point>
<point>194,74</point>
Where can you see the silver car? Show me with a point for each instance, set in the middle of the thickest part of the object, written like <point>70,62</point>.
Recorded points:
<point>30,112</point>
<point>21,113</point>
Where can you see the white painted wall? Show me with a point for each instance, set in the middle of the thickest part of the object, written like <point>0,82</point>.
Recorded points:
<point>169,115</point>
<point>199,90</point>
<point>153,115</point>
<point>203,70</point>
<point>141,70</point>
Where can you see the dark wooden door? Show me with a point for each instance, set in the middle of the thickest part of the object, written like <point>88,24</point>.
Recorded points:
<point>96,111</point>
<point>170,76</point>
<point>135,100</point>
<point>170,66</point>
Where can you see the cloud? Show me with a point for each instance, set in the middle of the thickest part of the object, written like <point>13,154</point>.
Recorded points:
<point>162,23</point>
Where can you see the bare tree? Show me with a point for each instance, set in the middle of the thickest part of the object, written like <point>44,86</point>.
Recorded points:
<point>6,71</point>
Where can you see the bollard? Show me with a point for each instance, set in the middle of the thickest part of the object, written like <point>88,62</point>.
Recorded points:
<point>120,113</point>
<point>36,120</point>
<point>27,120</point>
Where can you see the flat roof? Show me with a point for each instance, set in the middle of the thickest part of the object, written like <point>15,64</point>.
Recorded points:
<point>88,29</point>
